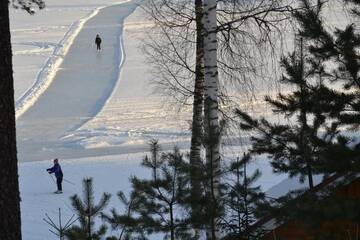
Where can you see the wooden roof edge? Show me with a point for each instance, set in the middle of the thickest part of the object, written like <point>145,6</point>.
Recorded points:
<point>269,222</point>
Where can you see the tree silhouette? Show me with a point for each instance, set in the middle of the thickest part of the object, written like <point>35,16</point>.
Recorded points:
<point>87,211</point>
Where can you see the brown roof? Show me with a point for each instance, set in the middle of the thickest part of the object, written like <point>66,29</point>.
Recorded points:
<point>316,188</point>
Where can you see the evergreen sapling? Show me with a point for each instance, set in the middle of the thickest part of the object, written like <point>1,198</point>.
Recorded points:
<point>241,198</point>
<point>87,211</point>
<point>126,223</point>
<point>159,199</point>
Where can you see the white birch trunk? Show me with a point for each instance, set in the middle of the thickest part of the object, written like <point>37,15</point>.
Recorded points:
<point>211,105</point>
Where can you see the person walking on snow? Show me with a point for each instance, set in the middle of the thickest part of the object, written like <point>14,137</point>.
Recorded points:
<point>58,174</point>
<point>98,42</point>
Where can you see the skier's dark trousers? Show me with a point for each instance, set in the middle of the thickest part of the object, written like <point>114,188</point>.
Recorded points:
<point>98,42</point>
<point>58,174</point>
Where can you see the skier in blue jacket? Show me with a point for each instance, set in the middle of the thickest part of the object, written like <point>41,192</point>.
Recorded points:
<point>58,174</point>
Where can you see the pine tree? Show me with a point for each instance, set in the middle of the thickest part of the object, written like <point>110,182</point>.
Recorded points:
<point>340,49</point>
<point>329,150</point>
<point>296,146</point>
<point>126,223</point>
<point>9,198</point>
<point>159,199</point>
<point>87,211</point>
<point>59,229</point>
<point>241,197</point>
<point>10,221</point>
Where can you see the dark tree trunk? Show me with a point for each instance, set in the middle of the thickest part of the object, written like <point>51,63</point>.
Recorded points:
<point>172,224</point>
<point>197,121</point>
<point>306,156</point>
<point>10,223</point>
<point>198,104</point>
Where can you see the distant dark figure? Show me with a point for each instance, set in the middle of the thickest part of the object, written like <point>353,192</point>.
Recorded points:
<point>98,42</point>
<point>58,174</point>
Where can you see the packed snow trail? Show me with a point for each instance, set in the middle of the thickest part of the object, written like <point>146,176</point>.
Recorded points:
<point>80,88</point>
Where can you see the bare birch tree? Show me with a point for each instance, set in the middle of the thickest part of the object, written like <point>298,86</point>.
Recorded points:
<point>197,121</point>
<point>176,51</point>
<point>211,108</point>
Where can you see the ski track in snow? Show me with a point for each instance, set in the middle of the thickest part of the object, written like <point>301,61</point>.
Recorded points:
<point>40,48</point>
<point>105,98</point>
<point>47,73</point>
<point>72,89</point>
